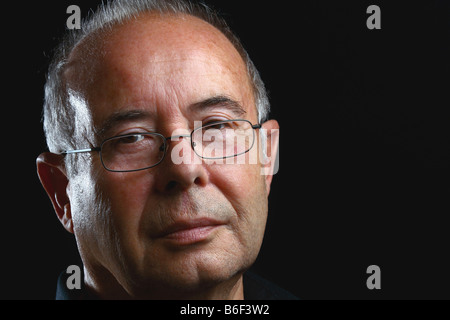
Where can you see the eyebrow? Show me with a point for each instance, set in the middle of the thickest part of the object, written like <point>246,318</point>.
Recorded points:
<point>120,117</point>
<point>219,102</point>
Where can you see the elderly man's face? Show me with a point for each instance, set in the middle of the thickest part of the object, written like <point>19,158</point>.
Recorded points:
<point>175,226</point>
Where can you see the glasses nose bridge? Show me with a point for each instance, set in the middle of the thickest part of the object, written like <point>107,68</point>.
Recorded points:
<point>178,136</point>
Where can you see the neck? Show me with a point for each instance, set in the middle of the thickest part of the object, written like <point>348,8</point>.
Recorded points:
<point>106,287</point>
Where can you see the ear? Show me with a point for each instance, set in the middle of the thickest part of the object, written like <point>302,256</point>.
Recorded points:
<point>271,161</point>
<point>52,173</point>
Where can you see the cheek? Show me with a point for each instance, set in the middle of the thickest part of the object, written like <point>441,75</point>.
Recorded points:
<point>127,192</point>
<point>238,182</point>
<point>244,188</point>
<point>127,195</point>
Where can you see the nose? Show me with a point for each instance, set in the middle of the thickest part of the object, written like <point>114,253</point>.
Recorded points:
<point>184,169</point>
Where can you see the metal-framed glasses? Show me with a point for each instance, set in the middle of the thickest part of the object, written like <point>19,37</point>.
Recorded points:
<point>144,150</point>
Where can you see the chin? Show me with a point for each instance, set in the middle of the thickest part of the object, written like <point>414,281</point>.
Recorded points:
<point>190,274</point>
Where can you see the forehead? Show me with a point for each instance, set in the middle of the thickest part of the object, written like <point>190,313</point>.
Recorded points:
<point>158,60</point>
<point>162,37</point>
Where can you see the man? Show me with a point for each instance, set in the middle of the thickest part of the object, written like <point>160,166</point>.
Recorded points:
<point>154,116</point>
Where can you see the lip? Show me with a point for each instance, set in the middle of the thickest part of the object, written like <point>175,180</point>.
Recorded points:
<point>190,232</point>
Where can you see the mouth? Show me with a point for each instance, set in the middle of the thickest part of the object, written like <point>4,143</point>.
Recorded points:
<point>190,231</point>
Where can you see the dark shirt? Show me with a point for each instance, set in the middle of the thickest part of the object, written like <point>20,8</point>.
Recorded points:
<point>255,288</point>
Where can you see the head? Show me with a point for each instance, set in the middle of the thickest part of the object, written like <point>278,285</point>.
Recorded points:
<point>186,229</point>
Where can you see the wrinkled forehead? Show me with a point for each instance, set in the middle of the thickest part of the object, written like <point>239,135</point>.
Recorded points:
<point>158,38</point>
<point>153,54</point>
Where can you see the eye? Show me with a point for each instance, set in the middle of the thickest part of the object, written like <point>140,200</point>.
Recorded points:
<point>217,125</point>
<point>131,139</point>
<point>129,143</point>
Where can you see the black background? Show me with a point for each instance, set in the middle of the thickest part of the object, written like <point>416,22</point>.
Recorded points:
<point>364,151</point>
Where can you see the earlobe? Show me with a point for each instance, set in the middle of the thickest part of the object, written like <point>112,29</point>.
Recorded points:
<point>52,174</point>
<point>271,163</point>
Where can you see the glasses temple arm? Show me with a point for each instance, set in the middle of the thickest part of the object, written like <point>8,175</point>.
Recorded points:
<point>80,151</point>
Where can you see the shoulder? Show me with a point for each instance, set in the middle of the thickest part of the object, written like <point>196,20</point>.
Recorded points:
<point>257,288</point>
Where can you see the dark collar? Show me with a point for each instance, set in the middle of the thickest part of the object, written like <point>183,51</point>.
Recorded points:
<point>255,288</point>
<point>63,293</point>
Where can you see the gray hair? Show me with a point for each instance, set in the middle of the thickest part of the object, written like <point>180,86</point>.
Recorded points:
<point>59,115</point>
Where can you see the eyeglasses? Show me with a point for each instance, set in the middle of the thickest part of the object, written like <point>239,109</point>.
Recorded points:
<point>144,150</point>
